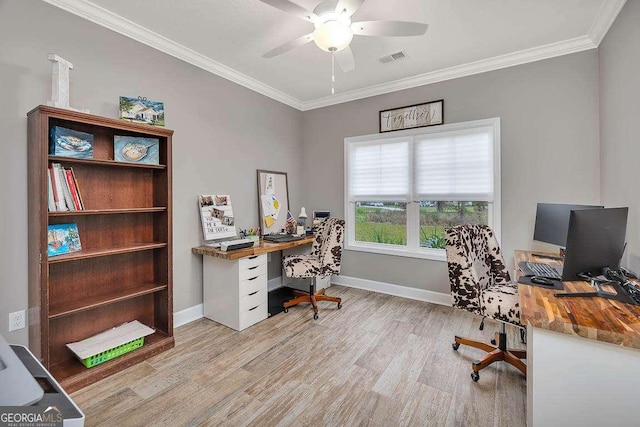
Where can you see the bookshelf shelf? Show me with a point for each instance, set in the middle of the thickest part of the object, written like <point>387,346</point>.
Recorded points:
<point>107,211</point>
<point>124,270</point>
<point>97,162</point>
<point>93,253</point>
<point>73,375</point>
<point>67,308</point>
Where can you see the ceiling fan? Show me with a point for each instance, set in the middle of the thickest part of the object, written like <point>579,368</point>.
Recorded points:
<point>334,29</point>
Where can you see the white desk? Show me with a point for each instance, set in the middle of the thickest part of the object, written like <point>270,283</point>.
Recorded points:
<point>235,283</point>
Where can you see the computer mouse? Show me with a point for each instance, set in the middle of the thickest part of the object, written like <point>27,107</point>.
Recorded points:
<point>539,280</point>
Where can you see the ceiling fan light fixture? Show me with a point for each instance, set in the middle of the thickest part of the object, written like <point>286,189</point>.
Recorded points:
<point>332,36</point>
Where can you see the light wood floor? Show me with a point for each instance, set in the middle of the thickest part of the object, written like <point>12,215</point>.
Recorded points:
<point>380,360</point>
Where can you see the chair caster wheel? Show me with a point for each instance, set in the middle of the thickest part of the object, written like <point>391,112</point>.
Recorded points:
<point>286,310</point>
<point>455,346</point>
<point>475,376</point>
<point>339,305</point>
<point>315,316</point>
<point>493,341</point>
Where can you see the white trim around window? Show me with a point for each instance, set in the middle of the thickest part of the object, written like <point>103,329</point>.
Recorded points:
<point>387,186</point>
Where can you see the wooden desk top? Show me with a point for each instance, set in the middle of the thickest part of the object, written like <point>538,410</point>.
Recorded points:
<point>262,248</point>
<point>598,319</point>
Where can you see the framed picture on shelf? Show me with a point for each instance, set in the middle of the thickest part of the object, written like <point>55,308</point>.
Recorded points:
<point>62,239</point>
<point>70,143</point>
<point>412,116</point>
<point>141,110</point>
<point>135,149</point>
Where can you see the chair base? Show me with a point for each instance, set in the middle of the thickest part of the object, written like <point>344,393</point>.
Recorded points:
<point>311,297</point>
<point>496,353</point>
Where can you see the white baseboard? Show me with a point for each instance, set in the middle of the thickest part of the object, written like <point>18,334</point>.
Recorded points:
<point>275,283</point>
<point>191,314</point>
<point>391,289</point>
<point>188,315</point>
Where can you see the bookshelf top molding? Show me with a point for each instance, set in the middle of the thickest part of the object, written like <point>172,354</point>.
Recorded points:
<point>64,114</point>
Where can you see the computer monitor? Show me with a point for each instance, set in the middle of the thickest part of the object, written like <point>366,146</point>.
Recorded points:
<point>552,222</point>
<point>596,239</point>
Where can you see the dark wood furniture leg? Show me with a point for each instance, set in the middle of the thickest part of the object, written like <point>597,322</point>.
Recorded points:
<point>311,297</point>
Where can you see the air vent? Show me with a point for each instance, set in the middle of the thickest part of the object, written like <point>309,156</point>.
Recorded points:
<point>397,56</point>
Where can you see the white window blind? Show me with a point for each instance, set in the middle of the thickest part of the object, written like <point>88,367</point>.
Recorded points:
<point>455,165</point>
<point>379,169</point>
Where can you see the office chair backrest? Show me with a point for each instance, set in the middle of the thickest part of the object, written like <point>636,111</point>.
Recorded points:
<point>474,261</point>
<point>327,245</point>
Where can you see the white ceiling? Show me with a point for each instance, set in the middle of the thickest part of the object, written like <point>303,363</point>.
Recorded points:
<point>229,37</point>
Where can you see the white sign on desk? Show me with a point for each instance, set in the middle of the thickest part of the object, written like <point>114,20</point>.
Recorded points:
<point>216,214</point>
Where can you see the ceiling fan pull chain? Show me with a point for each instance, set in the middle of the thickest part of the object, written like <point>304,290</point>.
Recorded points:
<point>333,72</point>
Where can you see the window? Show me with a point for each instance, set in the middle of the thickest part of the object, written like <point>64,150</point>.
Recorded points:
<point>402,191</point>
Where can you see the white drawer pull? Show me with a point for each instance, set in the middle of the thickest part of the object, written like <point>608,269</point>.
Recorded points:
<point>253,293</point>
<point>253,278</point>
<point>251,309</point>
<point>253,268</point>
<point>253,257</point>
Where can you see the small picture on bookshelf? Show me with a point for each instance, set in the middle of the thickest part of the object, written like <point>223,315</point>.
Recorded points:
<point>71,143</point>
<point>142,110</point>
<point>135,149</point>
<point>63,239</point>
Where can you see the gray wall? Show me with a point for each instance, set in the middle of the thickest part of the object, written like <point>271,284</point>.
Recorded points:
<point>619,113</point>
<point>223,132</point>
<point>550,150</point>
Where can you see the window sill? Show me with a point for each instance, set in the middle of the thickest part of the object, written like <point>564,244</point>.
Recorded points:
<point>432,254</point>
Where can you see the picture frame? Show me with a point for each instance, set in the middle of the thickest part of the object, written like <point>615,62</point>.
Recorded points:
<point>141,110</point>
<point>70,143</point>
<point>62,239</point>
<point>216,216</point>
<point>134,149</point>
<point>412,116</point>
<point>273,201</point>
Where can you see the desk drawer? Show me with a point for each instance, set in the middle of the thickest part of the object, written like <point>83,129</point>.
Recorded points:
<point>252,261</point>
<point>251,272</point>
<point>249,286</point>
<point>254,299</point>
<point>253,315</point>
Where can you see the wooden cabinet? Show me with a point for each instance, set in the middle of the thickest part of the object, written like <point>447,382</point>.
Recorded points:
<point>235,292</point>
<point>124,270</point>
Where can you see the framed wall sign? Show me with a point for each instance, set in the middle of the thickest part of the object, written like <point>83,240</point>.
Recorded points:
<point>413,116</point>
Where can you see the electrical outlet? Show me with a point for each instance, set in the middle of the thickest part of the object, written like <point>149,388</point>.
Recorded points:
<point>16,320</point>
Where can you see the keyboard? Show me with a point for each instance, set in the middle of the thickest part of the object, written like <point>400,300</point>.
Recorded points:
<point>540,269</point>
<point>282,238</point>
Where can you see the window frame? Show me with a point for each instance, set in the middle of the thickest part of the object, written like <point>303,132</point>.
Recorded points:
<point>412,249</point>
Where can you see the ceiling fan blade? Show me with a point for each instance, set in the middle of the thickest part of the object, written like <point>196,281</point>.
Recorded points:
<point>292,8</point>
<point>300,41</point>
<point>348,6</point>
<point>345,60</point>
<point>388,28</point>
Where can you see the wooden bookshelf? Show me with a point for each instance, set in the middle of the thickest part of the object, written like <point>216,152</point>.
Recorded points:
<point>124,270</point>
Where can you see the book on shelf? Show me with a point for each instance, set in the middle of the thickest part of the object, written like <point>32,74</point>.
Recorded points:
<point>75,182</point>
<point>65,187</point>
<point>72,189</point>
<point>57,188</point>
<point>64,194</point>
<point>62,239</point>
<point>51,201</point>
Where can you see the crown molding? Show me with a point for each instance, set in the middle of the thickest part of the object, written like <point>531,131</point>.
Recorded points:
<point>552,50</point>
<point>117,23</point>
<point>84,9</point>
<point>606,16</point>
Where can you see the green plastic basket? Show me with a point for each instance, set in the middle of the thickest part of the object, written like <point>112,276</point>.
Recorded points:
<point>112,353</point>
